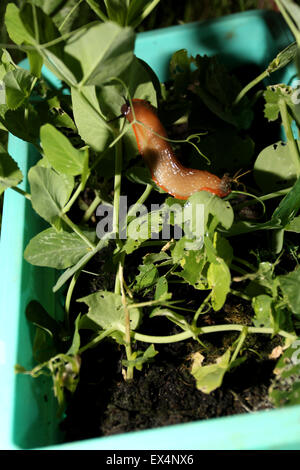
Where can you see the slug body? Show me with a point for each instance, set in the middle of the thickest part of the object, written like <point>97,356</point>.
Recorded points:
<point>167,172</point>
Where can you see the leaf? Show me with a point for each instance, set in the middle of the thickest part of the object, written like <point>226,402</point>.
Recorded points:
<point>138,10</point>
<point>97,65</point>
<point>288,206</point>
<point>147,276</point>
<point>74,348</point>
<point>262,306</point>
<point>36,314</point>
<point>192,262</point>
<point>161,289</point>
<point>89,120</point>
<point>285,387</point>
<point>293,225</point>
<point>58,250</point>
<point>174,317</point>
<point>284,57</point>
<point>66,275</point>
<point>217,89</point>
<point>209,377</point>
<point>223,142</point>
<point>219,280</point>
<point>106,309</point>
<point>10,174</point>
<point>117,11</point>
<point>293,10</point>
<point>59,151</point>
<point>139,358</point>
<point>215,206</point>
<point>273,95</point>
<point>274,167</point>
<point>139,79</point>
<point>18,85</point>
<point>289,284</point>
<point>15,27</point>
<point>49,193</point>
<point>24,122</point>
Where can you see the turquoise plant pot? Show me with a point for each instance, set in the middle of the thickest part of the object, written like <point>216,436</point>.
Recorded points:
<point>27,406</point>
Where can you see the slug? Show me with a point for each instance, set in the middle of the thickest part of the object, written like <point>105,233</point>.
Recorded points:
<point>166,170</point>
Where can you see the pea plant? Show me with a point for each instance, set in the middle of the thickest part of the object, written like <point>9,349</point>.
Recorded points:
<point>80,145</point>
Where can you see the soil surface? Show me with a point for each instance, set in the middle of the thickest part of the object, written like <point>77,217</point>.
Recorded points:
<point>164,392</point>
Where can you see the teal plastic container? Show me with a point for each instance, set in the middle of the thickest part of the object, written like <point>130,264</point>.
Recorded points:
<point>27,407</point>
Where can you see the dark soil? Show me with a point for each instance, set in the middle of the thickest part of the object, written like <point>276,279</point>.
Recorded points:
<point>164,392</point>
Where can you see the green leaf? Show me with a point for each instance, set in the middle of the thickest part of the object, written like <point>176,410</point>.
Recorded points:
<point>284,57</point>
<point>223,142</point>
<point>35,62</point>
<point>138,10</point>
<point>289,205</point>
<point>79,265</point>
<point>174,317</point>
<point>117,11</point>
<point>89,119</point>
<point>285,387</point>
<point>274,167</point>
<point>215,206</point>
<point>97,65</point>
<point>192,262</point>
<point>54,249</point>
<point>37,315</point>
<point>147,276</point>
<point>74,348</point>
<point>217,89</point>
<point>289,284</point>
<point>49,193</point>
<point>293,225</point>
<point>293,10</point>
<point>262,306</point>
<point>24,122</point>
<point>273,95</point>
<point>139,79</point>
<point>59,151</point>
<point>209,377</point>
<point>161,290</point>
<point>139,358</point>
<point>15,27</point>
<point>107,310</point>
<point>219,280</point>
<point>18,84</point>
<point>10,174</point>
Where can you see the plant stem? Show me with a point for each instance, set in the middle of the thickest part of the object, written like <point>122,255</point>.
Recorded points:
<point>93,5</point>
<point>117,190</point>
<point>141,200</point>
<point>246,263</point>
<point>20,191</point>
<point>73,198</point>
<point>129,374</point>
<point>295,154</point>
<point>240,294</point>
<point>206,330</point>
<point>96,340</point>
<point>69,296</point>
<point>69,14</point>
<point>91,209</point>
<point>240,342</point>
<point>250,85</point>
<point>281,192</point>
<point>289,21</point>
<point>77,230</point>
